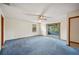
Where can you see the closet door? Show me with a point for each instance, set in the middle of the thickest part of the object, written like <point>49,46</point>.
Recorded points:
<point>74,29</point>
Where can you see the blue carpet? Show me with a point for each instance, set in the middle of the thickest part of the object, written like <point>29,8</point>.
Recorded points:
<point>38,45</point>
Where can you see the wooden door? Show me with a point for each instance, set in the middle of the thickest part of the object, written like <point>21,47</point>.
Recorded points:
<point>74,29</point>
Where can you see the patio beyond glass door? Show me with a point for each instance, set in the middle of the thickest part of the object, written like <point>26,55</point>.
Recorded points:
<point>54,30</point>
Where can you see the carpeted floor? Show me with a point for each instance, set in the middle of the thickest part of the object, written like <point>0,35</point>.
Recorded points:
<point>38,45</point>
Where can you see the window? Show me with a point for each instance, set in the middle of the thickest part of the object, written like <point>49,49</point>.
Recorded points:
<point>34,28</point>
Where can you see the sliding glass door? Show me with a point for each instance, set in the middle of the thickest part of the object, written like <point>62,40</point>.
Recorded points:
<point>54,30</point>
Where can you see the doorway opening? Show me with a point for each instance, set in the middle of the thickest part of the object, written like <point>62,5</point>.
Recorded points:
<point>53,30</point>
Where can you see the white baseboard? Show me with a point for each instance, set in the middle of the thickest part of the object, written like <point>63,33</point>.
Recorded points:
<point>22,37</point>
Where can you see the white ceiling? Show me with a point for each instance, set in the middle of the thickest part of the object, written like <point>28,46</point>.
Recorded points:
<point>55,10</point>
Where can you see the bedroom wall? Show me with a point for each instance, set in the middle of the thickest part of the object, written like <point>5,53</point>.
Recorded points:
<point>73,13</point>
<point>17,25</point>
<point>19,28</point>
<point>63,28</point>
<point>13,27</point>
<point>64,25</point>
<point>43,29</point>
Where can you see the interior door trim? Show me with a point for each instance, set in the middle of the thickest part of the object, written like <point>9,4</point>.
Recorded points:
<point>2,31</point>
<point>69,28</point>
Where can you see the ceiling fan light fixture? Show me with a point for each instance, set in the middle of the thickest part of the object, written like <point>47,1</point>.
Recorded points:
<point>39,21</point>
<point>42,17</point>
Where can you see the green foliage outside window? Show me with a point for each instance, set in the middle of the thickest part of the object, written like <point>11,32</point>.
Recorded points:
<point>55,28</point>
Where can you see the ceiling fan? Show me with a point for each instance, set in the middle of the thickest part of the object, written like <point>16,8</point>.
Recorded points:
<point>41,16</point>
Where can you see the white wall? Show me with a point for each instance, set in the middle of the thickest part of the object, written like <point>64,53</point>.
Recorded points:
<point>43,29</point>
<point>16,28</point>
<point>63,25</point>
<point>15,24</point>
<point>19,28</point>
<point>63,28</point>
<point>73,13</point>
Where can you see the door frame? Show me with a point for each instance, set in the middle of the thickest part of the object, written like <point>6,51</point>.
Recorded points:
<point>51,24</point>
<point>69,22</point>
<point>2,31</point>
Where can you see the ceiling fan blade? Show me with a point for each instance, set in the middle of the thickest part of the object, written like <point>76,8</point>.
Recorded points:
<point>48,17</point>
<point>45,9</point>
<point>29,14</point>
